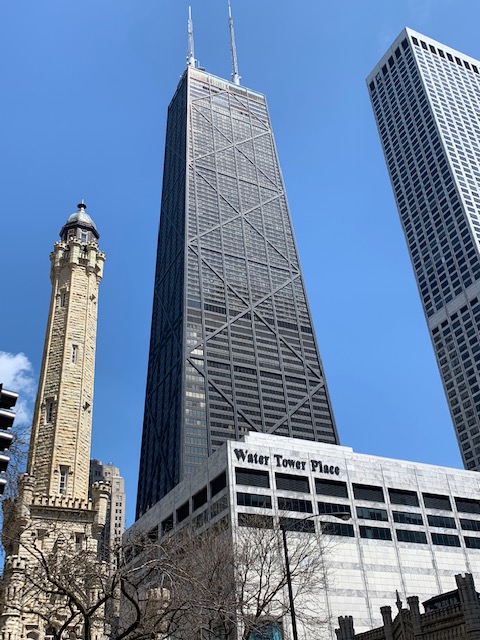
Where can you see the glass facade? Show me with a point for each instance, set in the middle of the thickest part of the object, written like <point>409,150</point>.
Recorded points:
<point>232,344</point>
<point>426,100</point>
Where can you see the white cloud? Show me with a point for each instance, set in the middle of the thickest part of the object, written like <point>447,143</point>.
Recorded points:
<point>16,374</point>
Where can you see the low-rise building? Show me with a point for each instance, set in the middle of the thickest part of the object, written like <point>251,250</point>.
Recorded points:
<point>405,526</point>
<point>455,614</point>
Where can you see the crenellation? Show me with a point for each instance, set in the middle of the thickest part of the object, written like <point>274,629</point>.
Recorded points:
<point>71,361</point>
<point>53,506</point>
<point>68,368</point>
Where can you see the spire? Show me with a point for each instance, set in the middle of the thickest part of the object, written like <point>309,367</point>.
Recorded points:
<point>235,77</point>
<point>191,46</point>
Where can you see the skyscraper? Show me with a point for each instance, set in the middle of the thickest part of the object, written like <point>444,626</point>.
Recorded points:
<point>426,100</point>
<point>232,346</point>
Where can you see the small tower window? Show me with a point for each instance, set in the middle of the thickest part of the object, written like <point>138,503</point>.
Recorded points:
<point>83,237</point>
<point>79,541</point>
<point>63,479</point>
<point>63,299</point>
<point>74,353</point>
<point>41,535</point>
<point>48,411</point>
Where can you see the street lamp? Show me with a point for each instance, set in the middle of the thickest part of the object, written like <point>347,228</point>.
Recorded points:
<point>341,515</point>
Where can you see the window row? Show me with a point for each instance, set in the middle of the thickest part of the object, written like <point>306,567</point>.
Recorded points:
<point>305,525</point>
<point>368,493</point>
<point>364,513</point>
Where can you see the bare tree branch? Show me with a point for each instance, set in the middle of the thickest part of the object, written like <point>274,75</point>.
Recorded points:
<point>196,584</point>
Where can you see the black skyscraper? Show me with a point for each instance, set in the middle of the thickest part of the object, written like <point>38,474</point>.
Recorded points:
<point>232,344</point>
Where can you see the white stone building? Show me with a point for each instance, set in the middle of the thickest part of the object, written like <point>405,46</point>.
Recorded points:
<point>409,527</point>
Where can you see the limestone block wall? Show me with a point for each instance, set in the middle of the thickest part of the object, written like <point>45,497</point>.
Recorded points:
<point>61,431</point>
<point>58,528</point>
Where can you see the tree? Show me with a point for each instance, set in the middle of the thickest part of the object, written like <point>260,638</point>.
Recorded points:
<point>18,453</point>
<point>57,584</point>
<point>194,584</point>
<point>238,583</point>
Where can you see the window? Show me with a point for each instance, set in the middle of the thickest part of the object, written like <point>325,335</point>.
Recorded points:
<point>294,504</point>
<point>218,506</point>
<point>403,517</point>
<point>152,535</point>
<point>167,524</point>
<point>78,541</point>
<point>83,237</point>
<point>367,492</point>
<point>470,525</point>
<point>255,521</point>
<point>376,533</point>
<point>404,535</point>
<point>303,525</point>
<point>48,411</point>
<point>199,499</point>
<point>183,511</point>
<point>74,353</point>
<point>442,521</point>
<point>218,483</point>
<point>41,535</point>
<point>372,514</point>
<point>467,505</point>
<point>337,529</point>
<point>63,479</point>
<point>254,500</point>
<point>401,496</point>
<point>266,631</point>
<point>472,543</point>
<point>446,540</point>
<point>289,482</point>
<point>63,298</point>
<point>331,488</point>
<point>331,507</point>
<point>252,478</point>
<point>435,501</point>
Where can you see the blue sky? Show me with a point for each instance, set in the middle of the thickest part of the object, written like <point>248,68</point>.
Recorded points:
<point>85,90</point>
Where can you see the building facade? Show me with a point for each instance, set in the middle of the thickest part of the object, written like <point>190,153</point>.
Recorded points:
<point>405,526</point>
<point>115,516</point>
<point>62,424</point>
<point>232,345</point>
<point>426,100</point>
<point>455,614</point>
<point>52,515</point>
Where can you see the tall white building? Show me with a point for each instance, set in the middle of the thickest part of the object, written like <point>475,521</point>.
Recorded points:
<point>426,100</point>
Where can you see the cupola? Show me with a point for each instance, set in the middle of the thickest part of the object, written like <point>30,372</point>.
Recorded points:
<point>80,225</point>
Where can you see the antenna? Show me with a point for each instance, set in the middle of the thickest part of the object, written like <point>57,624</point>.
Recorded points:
<point>191,46</point>
<point>235,77</point>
